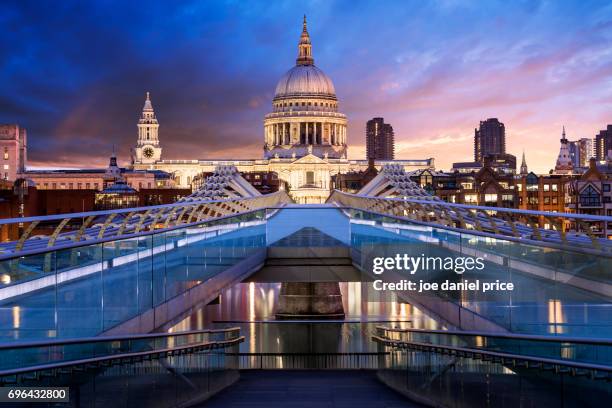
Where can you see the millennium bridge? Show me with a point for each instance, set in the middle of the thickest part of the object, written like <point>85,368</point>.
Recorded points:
<point>229,295</point>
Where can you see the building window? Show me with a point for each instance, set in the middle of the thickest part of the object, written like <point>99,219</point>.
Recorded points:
<point>589,197</point>
<point>532,182</point>
<point>87,186</point>
<point>470,198</point>
<point>607,199</point>
<point>79,185</point>
<point>606,188</point>
<point>546,200</point>
<point>6,153</point>
<point>310,177</point>
<point>554,187</point>
<point>467,186</point>
<point>555,200</point>
<point>546,187</point>
<point>490,198</point>
<point>533,200</point>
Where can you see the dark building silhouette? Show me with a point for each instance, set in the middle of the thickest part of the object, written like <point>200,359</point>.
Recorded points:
<point>603,143</point>
<point>380,144</point>
<point>489,138</point>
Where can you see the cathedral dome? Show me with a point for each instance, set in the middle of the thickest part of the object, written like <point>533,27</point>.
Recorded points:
<point>305,80</point>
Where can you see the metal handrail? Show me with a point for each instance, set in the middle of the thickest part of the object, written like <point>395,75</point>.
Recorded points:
<point>86,214</point>
<point>121,357</point>
<point>136,222</point>
<point>77,244</point>
<point>482,208</point>
<point>505,223</point>
<point>514,336</point>
<point>539,362</point>
<point>98,339</point>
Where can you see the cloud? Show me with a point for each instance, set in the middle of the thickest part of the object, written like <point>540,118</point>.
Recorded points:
<point>75,74</point>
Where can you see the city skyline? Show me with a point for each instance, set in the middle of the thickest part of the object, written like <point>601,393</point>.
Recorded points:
<point>211,68</point>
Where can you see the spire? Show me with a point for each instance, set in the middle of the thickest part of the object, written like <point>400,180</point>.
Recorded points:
<point>305,47</point>
<point>148,107</point>
<point>524,169</point>
<point>563,139</point>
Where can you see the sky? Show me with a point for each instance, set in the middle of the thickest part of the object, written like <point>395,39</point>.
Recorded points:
<point>75,74</point>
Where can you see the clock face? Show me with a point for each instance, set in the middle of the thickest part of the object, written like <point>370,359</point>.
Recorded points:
<point>147,152</point>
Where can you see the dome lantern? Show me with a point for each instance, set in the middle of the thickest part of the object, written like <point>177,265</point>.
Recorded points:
<point>304,47</point>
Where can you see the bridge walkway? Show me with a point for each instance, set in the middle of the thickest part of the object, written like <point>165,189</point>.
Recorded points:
<point>309,388</point>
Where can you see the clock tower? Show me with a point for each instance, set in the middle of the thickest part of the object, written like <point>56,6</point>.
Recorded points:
<point>147,150</point>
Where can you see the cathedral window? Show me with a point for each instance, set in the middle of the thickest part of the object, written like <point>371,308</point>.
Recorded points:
<point>310,177</point>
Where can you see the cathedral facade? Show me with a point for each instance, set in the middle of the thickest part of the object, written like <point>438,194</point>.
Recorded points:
<point>305,137</point>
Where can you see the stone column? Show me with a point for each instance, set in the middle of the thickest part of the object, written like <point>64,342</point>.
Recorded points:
<point>335,133</point>
<point>308,133</point>
<point>274,133</point>
<point>284,133</point>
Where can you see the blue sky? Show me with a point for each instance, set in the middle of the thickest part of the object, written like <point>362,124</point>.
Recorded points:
<point>75,73</point>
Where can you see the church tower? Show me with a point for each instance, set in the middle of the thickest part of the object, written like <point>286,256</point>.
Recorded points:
<point>564,163</point>
<point>147,150</point>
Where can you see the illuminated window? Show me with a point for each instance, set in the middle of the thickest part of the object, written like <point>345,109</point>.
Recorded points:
<point>490,198</point>
<point>6,156</point>
<point>471,198</point>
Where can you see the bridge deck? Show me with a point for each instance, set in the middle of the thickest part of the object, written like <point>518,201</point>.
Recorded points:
<point>271,389</point>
